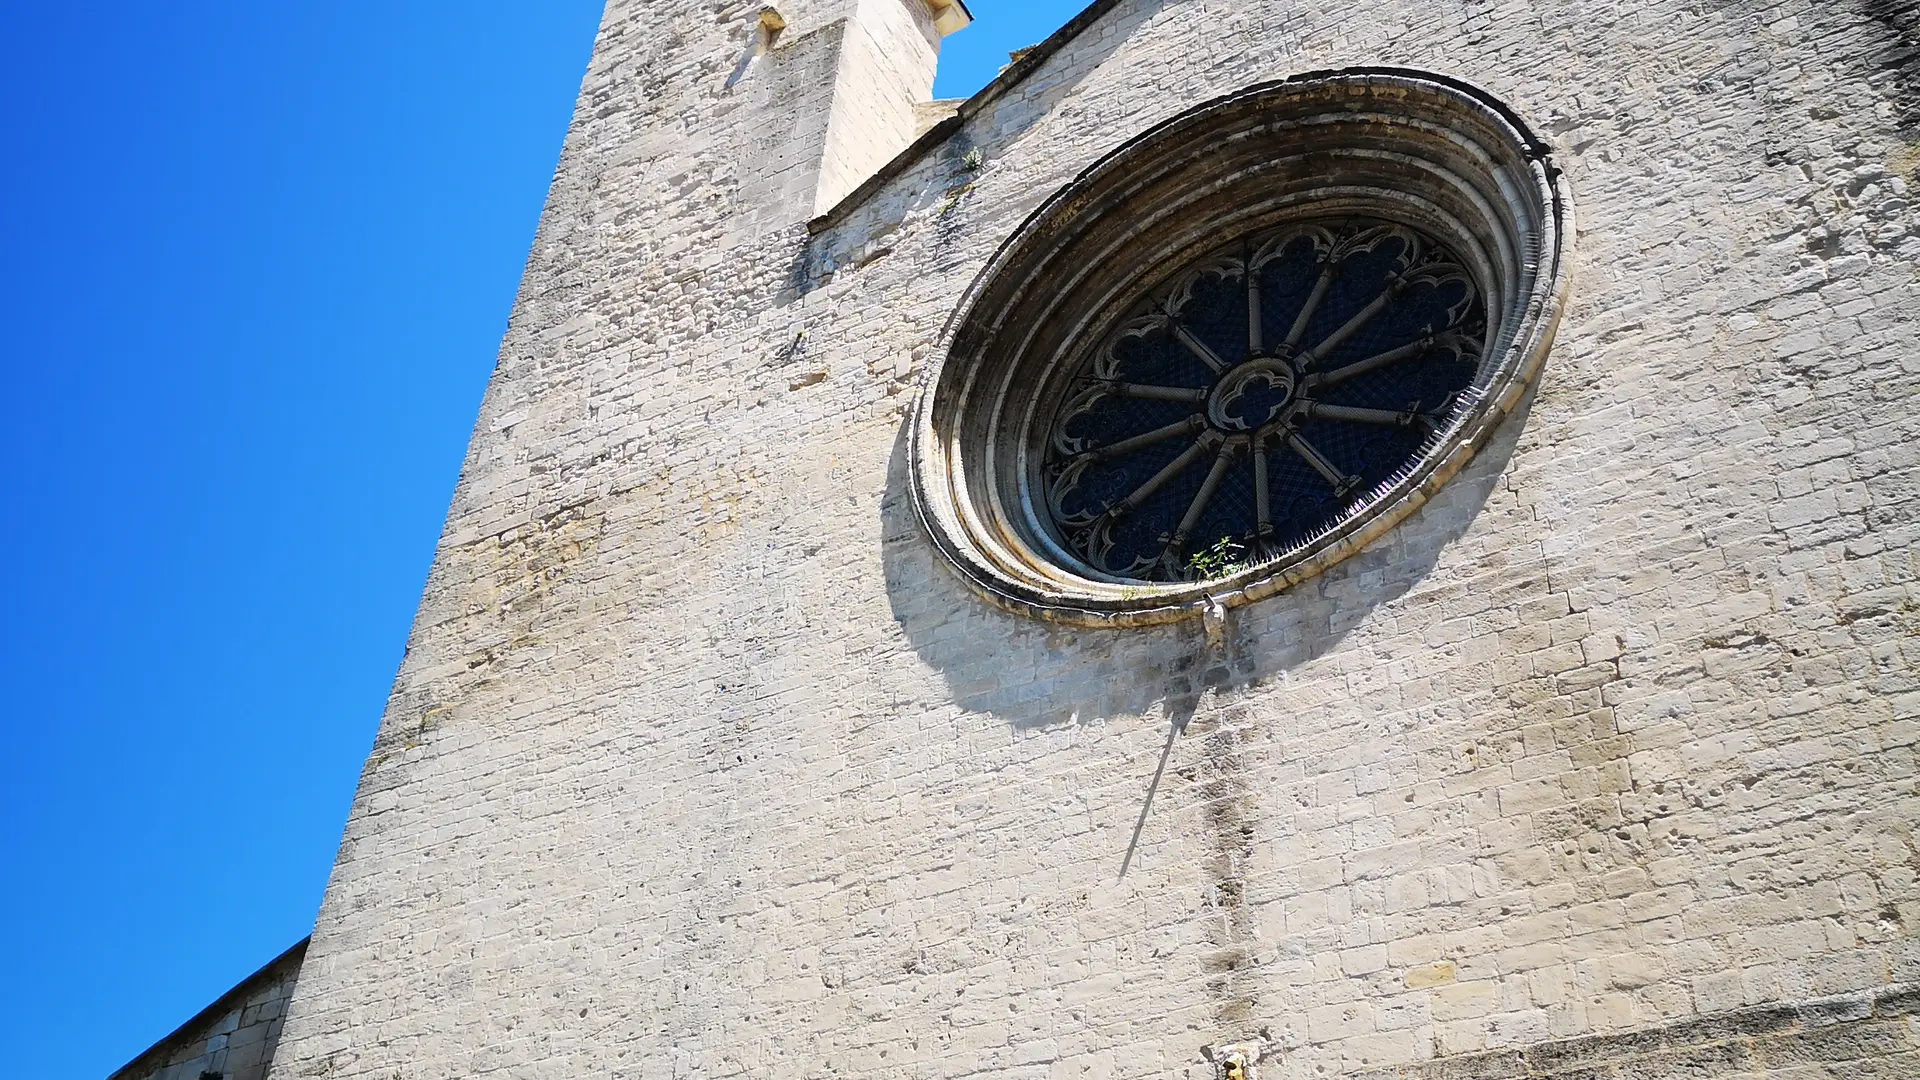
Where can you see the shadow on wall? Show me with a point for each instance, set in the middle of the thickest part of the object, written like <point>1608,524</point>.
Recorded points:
<point>1035,675</point>
<point>1899,56</point>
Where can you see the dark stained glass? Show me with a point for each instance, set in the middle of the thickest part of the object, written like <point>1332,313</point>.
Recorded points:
<point>1236,414</point>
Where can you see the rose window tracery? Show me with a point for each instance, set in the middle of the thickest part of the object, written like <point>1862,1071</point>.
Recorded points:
<point>1242,346</point>
<point>1247,403</point>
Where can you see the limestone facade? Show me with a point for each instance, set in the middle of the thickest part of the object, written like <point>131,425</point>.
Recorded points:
<point>703,762</point>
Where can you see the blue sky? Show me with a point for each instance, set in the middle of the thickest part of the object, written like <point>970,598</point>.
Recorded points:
<point>257,258</point>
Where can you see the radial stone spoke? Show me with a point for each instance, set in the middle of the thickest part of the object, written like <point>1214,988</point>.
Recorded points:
<point>1138,442</point>
<point>1341,484</point>
<point>1352,326</point>
<point>1361,367</point>
<point>1154,483</point>
<point>1201,498</point>
<point>1319,293</point>
<point>1159,393</point>
<point>1254,344</point>
<point>1387,417</point>
<point>1199,349</point>
<point>1262,501</point>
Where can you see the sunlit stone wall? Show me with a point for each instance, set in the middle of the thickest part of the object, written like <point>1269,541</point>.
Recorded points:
<point>701,762</point>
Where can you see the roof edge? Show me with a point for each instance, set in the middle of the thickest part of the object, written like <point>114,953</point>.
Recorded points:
<point>221,1005</point>
<point>1014,75</point>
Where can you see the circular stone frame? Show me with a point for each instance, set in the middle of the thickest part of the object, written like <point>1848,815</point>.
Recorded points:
<point>1404,146</point>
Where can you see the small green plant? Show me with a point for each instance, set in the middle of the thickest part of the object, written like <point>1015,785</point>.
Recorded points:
<point>1223,558</point>
<point>973,161</point>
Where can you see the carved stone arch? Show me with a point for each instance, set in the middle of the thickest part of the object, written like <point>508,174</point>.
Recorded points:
<point>1399,161</point>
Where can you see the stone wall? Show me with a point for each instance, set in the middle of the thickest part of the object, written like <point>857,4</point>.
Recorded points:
<point>233,1038</point>
<point>1860,1036</point>
<point>701,762</point>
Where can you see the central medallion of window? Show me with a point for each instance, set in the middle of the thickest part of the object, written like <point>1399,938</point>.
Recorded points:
<point>1246,404</point>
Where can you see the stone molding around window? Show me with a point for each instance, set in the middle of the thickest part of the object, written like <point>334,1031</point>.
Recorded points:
<point>1420,181</point>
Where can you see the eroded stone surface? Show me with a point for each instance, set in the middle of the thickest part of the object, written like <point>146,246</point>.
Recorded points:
<point>701,763</point>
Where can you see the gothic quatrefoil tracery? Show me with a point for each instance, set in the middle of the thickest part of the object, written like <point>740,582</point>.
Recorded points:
<point>1248,404</point>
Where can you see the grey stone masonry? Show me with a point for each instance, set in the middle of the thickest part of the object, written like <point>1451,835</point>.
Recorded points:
<point>703,762</point>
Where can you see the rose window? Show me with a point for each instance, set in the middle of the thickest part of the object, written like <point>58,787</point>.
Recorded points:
<point>1244,345</point>
<point>1247,404</point>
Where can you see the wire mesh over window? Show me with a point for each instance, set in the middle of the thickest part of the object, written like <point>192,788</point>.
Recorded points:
<point>1246,404</point>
